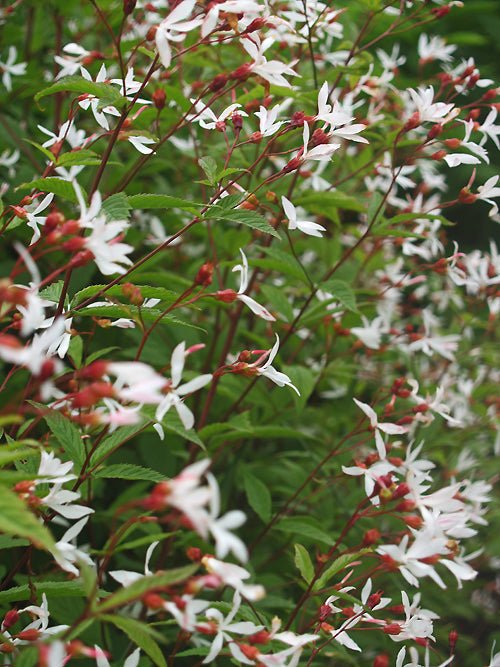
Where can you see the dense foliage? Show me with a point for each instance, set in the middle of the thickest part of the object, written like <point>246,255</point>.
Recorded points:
<point>249,402</point>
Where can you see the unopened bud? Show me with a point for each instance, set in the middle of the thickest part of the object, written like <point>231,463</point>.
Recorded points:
<point>392,629</point>
<point>226,295</point>
<point>453,143</point>
<point>453,639</point>
<point>159,98</point>
<point>435,131</point>
<point>412,123</point>
<point>204,275</point>
<point>11,618</point>
<point>413,520</point>
<point>194,554</point>
<point>218,82</point>
<point>440,12</point>
<point>129,6</point>
<point>153,601</point>
<point>400,491</point>
<point>371,537</point>
<point>382,660</point>
<point>438,155</point>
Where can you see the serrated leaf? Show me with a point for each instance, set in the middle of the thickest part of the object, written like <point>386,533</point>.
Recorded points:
<point>113,441</point>
<point>338,564</point>
<point>145,584</point>
<point>67,434</point>
<point>146,291</point>
<point>258,496</point>
<point>17,519</point>
<point>79,157</point>
<point>171,422</point>
<point>42,149</point>
<point>305,526</point>
<point>284,262</point>
<point>342,292</point>
<point>242,217</point>
<point>147,201</point>
<point>304,563</point>
<point>77,84</point>
<point>116,207</point>
<point>58,186</point>
<point>209,166</point>
<point>129,471</point>
<point>52,588</point>
<point>53,292</point>
<point>228,172</point>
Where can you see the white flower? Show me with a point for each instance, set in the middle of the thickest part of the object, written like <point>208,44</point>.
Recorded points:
<point>33,217</point>
<point>428,110</point>
<point>174,391</point>
<point>434,48</point>
<point>268,371</point>
<point>385,427</point>
<point>127,577</point>
<point>220,528</point>
<point>247,300</point>
<point>487,191</point>
<point>272,70</point>
<point>305,226</point>
<point>173,29</point>
<point>9,69</point>
<point>268,125</point>
<point>233,575</point>
<point>225,627</point>
<point>67,554</point>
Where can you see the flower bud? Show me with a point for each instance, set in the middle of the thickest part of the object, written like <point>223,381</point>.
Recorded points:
<point>226,295</point>
<point>371,537</point>
<point>194,554</point>
<point>218,82</point>
<point>159,98</point>
<point>204,275</point>
<point>392,629</point>
<point>413,520</point>
<point>11,618</point>
<point>453,639</point>
<point>129,6</point>
<point>382,660</point>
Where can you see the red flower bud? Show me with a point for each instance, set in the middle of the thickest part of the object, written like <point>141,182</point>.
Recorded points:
<point>226,295</point>
<point>392,629</point>
<point>371,536</point>
<point>218,83</point>
<point>11,618</point>
<point>453,639</point>
<point>194,554</point>
<point>159,98</point>
<point>382,660</point>
<point>413,520</point>
<point>204,275</point>
<point>129,6</point>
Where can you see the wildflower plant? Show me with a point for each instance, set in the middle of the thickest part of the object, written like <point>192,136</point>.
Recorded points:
<point>249,406</point>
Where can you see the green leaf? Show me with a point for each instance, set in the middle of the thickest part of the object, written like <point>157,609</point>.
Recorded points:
<point>58,186</point>
<point>68,436</point>
<point>242,217</point>
<point>60,589</point>
<point>13,452</point>
<point>258,496</point>
<point>77,84</point>
<point>75,350</point>
<point>171,422</point>
<point>129,471</point>
<point>113,441</point>
<point>145,584</point>
<point>228,172</point>
<point>304,379</point>
<point>305,526</point>
<point>375,208</point>
<point>146,201</point>
<point>279,301</point>
<point>209,166</point>
<point>283,262</point>
<point>338,564</point>
<point>342,292</point>
<point>53,292</point>
<point>28,657</point>
<point>116,207</point>
<point>17,519</point>
<point>304,563</point>
<point>79,157</point>
<point>141,635</point>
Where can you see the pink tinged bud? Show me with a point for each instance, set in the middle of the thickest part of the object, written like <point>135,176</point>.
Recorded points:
<point>194,554</point>
<point>256,137</point>
<point>406,505</point>
<point>413,122</point>
<point>400,491</point>
<point>371,537</point>
<point>204,275</point>
<point>392,629</point>
<point>435,131</point>
<point>226,295</point>
<point>30,635</point>
<point>453,143</point>
<point>237,121</point>
<point>81,259</point>
<point>453,639</point>
<point>292,165</point>
<point>413,520</point>
<point>20,212</point>
<point>261,637</point>
<point>74,244</point>
<point>439,12</point>
<point>95,370</point>
<point>241,73</point>
<point>374,600</point>
<point>490,94</point>
<point>438,155</point>
<point>11,617</point>
<point>466,197</point>
<point>382,660</point>
<point>407,419</point>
